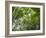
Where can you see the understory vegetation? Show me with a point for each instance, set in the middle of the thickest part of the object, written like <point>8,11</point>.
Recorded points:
<point>25,18</point>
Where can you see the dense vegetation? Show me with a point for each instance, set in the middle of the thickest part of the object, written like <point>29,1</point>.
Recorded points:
<point>25,18</point>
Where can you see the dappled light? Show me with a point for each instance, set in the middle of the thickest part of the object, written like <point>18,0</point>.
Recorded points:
<point>25,18</point>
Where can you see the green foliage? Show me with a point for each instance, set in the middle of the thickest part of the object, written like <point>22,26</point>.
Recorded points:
<point>25,18</point>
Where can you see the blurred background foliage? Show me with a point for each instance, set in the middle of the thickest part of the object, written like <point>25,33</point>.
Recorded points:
<point>25,18</point>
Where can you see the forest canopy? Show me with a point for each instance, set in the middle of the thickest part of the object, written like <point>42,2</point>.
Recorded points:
<point>25,18</point>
